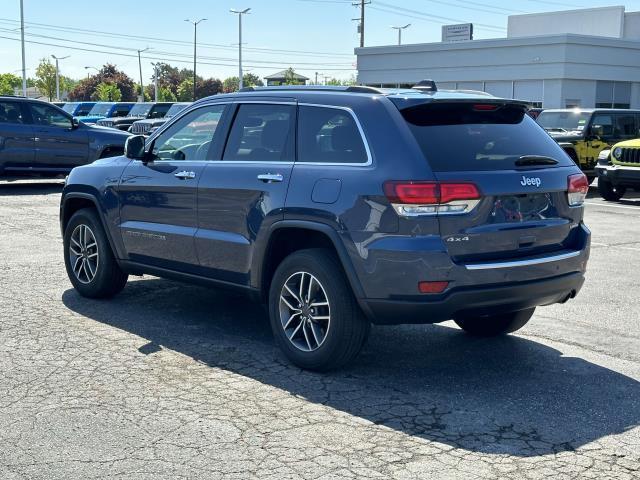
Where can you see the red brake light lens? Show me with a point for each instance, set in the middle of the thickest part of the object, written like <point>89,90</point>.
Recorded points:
<point>429,193</point>
<point>432,287</point>
<point>577,189</point>
<point>485,107</point>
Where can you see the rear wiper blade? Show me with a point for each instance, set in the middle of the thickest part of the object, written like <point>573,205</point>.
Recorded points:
<point>529,160</point>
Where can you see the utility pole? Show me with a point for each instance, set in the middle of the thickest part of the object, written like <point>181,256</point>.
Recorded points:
<point>155,80</point>
<point>400,31</point>
<point>240,13</point>
<point>24,65</point>
<point>58,75</point>
<point>195,39</point>
<point>141,97</point>
<point>362,4</point>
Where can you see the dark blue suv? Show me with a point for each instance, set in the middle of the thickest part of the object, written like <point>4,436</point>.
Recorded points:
<point>340,207</point>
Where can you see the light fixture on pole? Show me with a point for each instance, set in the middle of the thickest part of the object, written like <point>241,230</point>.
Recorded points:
<point>24,67</point>
<point>400,31</point>
<point>240,13</point>
<point>58,75</point>
<point>87,69</point>
<point>195,32</point>
<point>141,97</point>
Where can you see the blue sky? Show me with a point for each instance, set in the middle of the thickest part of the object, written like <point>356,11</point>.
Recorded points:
<point>310,35</point>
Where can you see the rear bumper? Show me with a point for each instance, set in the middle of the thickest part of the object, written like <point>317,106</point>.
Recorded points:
<point>496,298</point>
<point>620,175</point>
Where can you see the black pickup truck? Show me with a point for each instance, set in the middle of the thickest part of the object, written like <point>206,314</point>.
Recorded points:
<point>140,111</point>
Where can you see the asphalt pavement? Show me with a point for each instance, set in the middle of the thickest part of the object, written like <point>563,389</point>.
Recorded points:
<point>175,381</point>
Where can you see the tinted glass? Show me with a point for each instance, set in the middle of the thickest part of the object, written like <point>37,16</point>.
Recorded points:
<point>101,109</point>
<point>46,115</point>
<point>175,108</point>
<point>190,137</point>
<point>159,111</point>
<point>604,122</point>
<point>84,109</point>
<point>261,133</point>
<point>10,112</point>
<point>456,137</point>
<point>140,109</point>
<point>70,107</point>
<point>329,135</point>
<point>563,121</point>
<point>625,126</point>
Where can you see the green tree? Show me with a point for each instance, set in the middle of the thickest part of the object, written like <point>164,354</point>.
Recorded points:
<point>46,78</point>
<point>8,82</point>
<point>290,77</point>
<point>249,79</point>
<point>185,90</point>
<point>86,88</point>
<point>108,92</point>
<point>165,95</point>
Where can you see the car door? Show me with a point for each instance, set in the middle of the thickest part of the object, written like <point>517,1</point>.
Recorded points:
<point>60,145</point>
<point>16,138</point>
<point>604,124</point>
<point>158,216</point>
<point>243,191</point>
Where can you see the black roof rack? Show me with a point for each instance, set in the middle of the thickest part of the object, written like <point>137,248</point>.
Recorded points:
<point>316,88</point>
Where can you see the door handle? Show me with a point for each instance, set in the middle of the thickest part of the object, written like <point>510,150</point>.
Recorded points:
<point>184,175</point>
<point>270,177</point>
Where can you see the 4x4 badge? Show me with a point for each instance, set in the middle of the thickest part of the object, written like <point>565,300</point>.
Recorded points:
<point>529,181</point>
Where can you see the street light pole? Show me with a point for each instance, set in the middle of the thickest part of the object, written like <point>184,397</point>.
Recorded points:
<point>87,69</point>
<point>240,13</point>
<point>155,80</point>
<point>195,33</point>
<point>58,75</point>
<point>141,97</point>
<point>24,65</point>
<point>400,31</point>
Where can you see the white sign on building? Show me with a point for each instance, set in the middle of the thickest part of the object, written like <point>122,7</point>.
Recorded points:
<point>457,33</point>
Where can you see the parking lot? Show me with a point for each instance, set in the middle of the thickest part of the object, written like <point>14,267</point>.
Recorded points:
<point>176,381</point>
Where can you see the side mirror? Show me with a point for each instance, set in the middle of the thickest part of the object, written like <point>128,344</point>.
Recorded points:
<point>134,147</point>
<point>74,123</point>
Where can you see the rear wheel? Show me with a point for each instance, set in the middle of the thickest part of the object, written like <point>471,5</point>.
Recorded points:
<point>315,318</point>
<point>88,258</point>
<point>609,191</point>
<point>493,325</point>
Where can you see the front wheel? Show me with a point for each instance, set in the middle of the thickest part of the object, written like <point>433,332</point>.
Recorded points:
<point>609,191</point>
<point>90,263</point>
<point>493,325</point>
<point>315,318</point>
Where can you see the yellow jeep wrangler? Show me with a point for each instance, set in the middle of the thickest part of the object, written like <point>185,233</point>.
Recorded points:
<point>584,133</point>
<point>618,169</point>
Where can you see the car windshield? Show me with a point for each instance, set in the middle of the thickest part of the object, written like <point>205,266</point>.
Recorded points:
<point>474,137</point>
<point>70,107</point>
<point>140,109</point>
<point>175,108</point>
<point>570,121</point>
<point>101,109</point>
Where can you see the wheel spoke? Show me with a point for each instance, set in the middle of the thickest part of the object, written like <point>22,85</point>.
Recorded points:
<point>86,272</point>
<point>306,335</point>
<point>90,268</point>
<point>93,255</point>
<point>291,318</point>
<point>319,304</point>
<point>77,244</point>
<point>315,334</point>
<point>324,317</point>
<point>92,245</point>
<point>295,296</point>
<point>74,251</point>
<point>311,280</point>
<point>75,265</point>
<point>293,334</point>
<point>286,302</point>
<point>302,286</point>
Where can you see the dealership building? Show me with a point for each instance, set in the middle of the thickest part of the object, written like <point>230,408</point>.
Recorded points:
<point>579,58</point>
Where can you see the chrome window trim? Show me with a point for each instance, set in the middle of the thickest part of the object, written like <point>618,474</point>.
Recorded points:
<point>362,136</point>
<point>523,263</point>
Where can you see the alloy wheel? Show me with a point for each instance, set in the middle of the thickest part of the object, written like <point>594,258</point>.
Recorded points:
<point>83,254</point>
<point>305,313</point>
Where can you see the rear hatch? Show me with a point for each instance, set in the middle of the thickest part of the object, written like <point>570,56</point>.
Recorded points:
<point>521,176</point>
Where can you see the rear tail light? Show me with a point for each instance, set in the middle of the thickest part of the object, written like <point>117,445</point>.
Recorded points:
<point>412,199</point>
<point>432,287</point>
<point>577,189</point>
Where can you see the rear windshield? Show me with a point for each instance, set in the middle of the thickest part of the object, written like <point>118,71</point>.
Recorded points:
<point>459,137</point>
<point>101,109</point>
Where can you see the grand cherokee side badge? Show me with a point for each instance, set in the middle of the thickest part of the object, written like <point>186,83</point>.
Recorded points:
<point>529,181</point>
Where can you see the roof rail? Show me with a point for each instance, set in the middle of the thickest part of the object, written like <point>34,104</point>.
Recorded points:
<point>315,88</point>
<point>426,86</point>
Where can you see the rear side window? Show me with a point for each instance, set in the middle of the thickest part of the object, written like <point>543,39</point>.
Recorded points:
<point>261,133</point>
<point>459,137</point>
<point>10,112</point>
<point>329,135</point>
<point>625,126</point>
<point>84,110</point>
<point>49,116</point>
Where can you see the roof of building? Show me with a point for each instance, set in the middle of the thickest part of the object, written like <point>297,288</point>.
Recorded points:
<point>283,74</point>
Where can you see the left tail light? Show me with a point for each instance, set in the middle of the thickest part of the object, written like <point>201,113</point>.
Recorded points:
<point>577,189</point>
<point>413,198</point>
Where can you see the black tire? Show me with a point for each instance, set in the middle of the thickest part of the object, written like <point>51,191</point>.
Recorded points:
<point>493,325</point>
<point>610,192</point>
<point>348,329</point>
<point>108,278</point>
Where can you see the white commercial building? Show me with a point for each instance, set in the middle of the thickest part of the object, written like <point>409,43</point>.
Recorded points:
<point>579,58</point>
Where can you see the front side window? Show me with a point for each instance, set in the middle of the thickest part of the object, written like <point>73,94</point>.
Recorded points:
<point>49,116</point>
<point>10,112</point>
<point>190,137</point>
<point>101,109</point>
<point>159,111</point>
<point>563,122</point>
<point>261,133</point>
<point>329,135</point>
<point>602,125</point>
